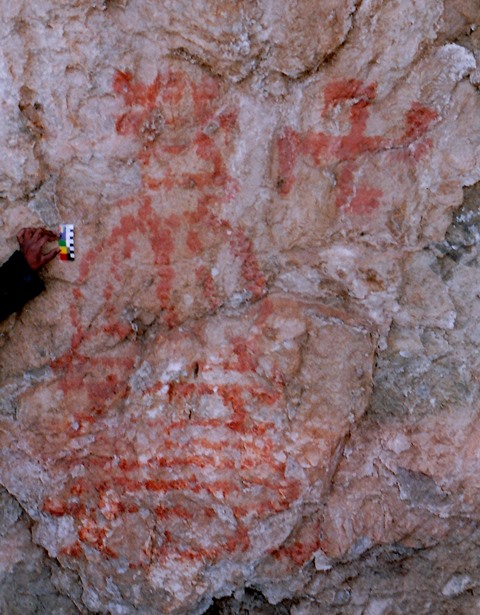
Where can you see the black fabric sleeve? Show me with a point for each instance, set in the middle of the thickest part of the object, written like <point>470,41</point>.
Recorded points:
<point>18,284</point>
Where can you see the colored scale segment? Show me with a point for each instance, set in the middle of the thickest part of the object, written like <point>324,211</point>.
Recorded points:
<point>66,242</point>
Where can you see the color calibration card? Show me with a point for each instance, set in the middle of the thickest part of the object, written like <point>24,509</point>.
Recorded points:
<point>66,244</point>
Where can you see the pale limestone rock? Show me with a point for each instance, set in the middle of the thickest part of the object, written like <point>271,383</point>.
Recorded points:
<point>457,585</point>
<point>300,35</point>
<point>262,368</point>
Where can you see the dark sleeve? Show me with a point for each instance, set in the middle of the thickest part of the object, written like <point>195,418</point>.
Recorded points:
<point>18,284</point>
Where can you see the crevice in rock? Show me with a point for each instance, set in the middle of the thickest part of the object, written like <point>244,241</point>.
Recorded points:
<point>28,589</point>
<point>328,59</point>
<point>192,58</point>
<point>463,234</point>
<point>440,580</point>
<point>258,61</point>
<point>411,379</point>
<point>249,602</point>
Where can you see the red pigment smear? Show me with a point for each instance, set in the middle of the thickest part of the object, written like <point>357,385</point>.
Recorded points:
<point>356,143</point>
<point>134,92</point>
<point>194,243</point>
<point>418,120</point>
<point>181,512</point>
<point>347,89</point>
<point>324,149</point>
<point>242,248</point>
<point>246,359</point>
<point>421,149</point>
<point>318,146</point>
<point>208,286</point>
<point>118,488</point>
<point>360,200</point>
<point>365,200</point>
<point>205,94</point>
<point>173,87</point>
<point>303,546</point>
<point>228,121</point>
<point>321,147</point>
<point>288,148</point>
<point>207,150</point>
<point>89,502</point>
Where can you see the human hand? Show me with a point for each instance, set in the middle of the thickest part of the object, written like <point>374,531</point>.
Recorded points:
<point>31,241</point>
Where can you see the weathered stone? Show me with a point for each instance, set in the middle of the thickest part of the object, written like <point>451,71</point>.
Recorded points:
<point>261,371</point>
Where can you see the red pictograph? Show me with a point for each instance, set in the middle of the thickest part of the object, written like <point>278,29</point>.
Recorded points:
<point>210,464</point>
<point>211,439</point>
<point>353,100</point>
<point>181,127</point>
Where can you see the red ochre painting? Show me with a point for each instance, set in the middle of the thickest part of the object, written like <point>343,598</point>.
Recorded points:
<point>156,437</point>
<point>354,100</point>
<point>235,461</point>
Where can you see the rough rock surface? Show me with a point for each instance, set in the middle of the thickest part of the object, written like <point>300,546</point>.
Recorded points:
<point>256,389</point>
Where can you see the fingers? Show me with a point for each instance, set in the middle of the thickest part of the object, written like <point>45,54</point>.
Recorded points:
<point>44,232</point>
<point>46,258</point>
<point>25,234</point>
<point>44,237</point>
<point>36,242</point>
<point>29,232</point>
<point>38,235</point>
<point>32,240</point>
<point>52,235</point>
<point>41,240</point>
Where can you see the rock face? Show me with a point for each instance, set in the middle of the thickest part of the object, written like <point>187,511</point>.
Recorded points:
<point>257,384</point>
